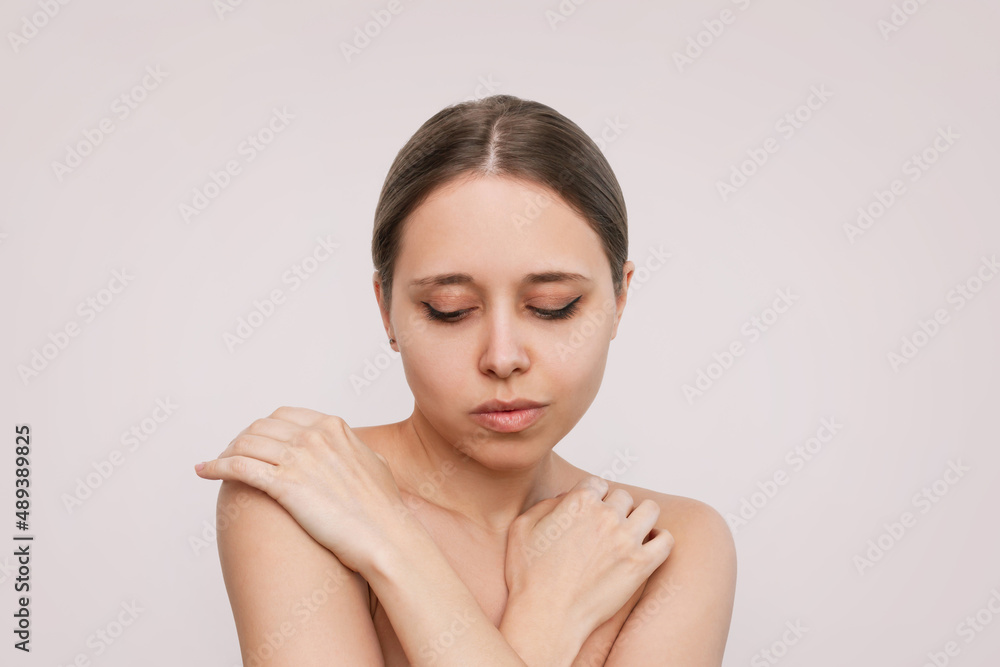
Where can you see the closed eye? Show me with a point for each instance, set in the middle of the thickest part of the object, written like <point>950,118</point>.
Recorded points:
<point>456,315</point>
<point>561,314</point>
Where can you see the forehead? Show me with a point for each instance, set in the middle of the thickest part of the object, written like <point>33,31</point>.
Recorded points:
<point>496,226</point>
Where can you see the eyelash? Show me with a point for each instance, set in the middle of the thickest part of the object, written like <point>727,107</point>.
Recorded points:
<point>454,316</point>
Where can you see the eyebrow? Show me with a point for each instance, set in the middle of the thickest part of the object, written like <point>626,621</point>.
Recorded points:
<point>530,279</point>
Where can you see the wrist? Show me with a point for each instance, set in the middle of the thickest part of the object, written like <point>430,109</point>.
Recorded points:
<point>406,546</point>
<point>424,599</point>
<point>542,633</point>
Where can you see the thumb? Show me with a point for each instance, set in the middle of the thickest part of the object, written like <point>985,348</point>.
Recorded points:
<point>544,507</point>
<point>537,512</point>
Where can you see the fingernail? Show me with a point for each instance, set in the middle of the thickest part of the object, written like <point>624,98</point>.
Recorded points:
<point>198,467</point>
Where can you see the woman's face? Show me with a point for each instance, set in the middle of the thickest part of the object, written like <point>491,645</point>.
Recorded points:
<point>497,254</point>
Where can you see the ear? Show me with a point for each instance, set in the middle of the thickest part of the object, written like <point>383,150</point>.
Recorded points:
<point>377,284</point>
<point>628,269</point>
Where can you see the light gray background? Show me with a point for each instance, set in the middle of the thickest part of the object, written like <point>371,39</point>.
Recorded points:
<point>609,64</point>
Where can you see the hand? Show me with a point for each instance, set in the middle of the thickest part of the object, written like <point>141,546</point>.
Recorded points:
<point>583,555</point>
<point>340,491</point>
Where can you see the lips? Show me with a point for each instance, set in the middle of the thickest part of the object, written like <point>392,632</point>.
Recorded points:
<point>508,421</point>
<point>508,416</point>
<point>495,405</point>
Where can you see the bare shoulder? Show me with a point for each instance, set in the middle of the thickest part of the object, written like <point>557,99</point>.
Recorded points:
<point>704,552</point>
<point>684,613</point>
<point>703,542</point>
<point>694,519</point>
<point>286,590</point>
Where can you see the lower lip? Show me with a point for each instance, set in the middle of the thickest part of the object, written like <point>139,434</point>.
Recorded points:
<point>508,422</point>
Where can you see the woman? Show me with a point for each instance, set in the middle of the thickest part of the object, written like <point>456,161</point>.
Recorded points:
<point>457,536</point>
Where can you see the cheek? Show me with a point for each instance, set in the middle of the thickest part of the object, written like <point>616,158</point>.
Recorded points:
<point>582,343</point>
<point>580,371</point>
<point>433,369</point>
<point>575,362</point>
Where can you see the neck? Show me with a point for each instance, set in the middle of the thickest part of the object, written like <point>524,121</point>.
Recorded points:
<point>469,480</point>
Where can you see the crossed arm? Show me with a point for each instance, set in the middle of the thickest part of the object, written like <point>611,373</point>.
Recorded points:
<point>295,603</point>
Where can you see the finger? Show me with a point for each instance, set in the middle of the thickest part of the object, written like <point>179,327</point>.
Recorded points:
<point>597,485</point>
<point>643,518</point>
<point>621,501</point>
<point>572,502</point>
<point>543,507</point>
<point>257,474</point>
<point>593,486</point>
<point>658,548</point>
<point>301,416</point>
<point>261,448</point>
<point>277,429</point>
<point>536,512</point>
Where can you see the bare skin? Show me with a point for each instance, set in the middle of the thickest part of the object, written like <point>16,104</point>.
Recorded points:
<point>295,603</point>
<point>434,514</point>
<point>476,552</point>
<point>494,350</point>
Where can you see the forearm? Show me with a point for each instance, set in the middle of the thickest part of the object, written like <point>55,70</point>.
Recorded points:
<point>435,616</point>
<point>540,636</point>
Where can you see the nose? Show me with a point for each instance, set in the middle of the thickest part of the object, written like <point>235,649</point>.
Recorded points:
<point>505,347</point>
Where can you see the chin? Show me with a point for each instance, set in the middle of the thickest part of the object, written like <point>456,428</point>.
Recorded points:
<point>506,451</point>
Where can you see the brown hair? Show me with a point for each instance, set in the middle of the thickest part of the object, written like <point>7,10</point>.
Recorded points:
<point>501,135</point>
